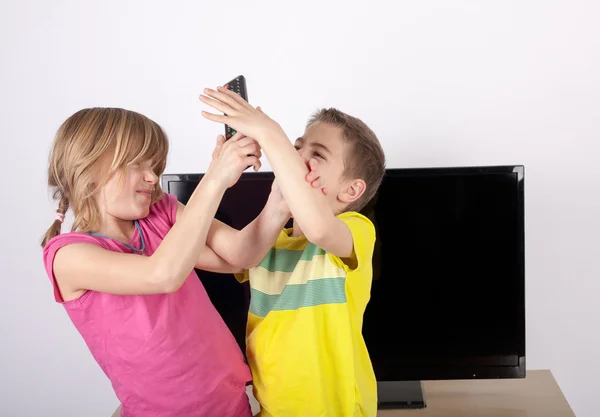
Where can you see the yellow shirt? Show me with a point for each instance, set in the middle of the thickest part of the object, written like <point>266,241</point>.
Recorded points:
<point>304,334</point>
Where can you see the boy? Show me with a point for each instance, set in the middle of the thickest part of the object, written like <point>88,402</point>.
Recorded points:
<point>308,295</point>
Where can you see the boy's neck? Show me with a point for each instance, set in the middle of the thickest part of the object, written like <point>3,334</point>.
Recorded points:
<point>296,230</point>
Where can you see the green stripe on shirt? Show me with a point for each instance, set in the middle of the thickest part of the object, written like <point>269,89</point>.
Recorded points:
<point>285,260</point>
<point>293,297</point>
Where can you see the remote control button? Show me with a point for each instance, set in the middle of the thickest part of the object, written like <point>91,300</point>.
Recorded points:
<point>233,132</point>
<point>229,136</point>
<point>227,86</point>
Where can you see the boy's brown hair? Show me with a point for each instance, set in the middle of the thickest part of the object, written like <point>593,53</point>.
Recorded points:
<point>364,158</point>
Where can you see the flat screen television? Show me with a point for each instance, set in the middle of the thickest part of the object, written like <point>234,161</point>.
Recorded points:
<point>448,292</point>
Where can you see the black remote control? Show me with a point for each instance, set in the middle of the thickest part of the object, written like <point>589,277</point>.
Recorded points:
<point>238,86</point>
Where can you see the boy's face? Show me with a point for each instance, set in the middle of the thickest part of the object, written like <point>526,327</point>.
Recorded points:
<point>325,143</point>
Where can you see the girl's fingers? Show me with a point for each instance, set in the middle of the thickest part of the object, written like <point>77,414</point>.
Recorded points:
<point>237,137</point>
<point>218,146</point>
<point>251,149</point>
<point>313,175</point>
<point>318,183</point>
<point>252,161</point>
<point>245,141</point>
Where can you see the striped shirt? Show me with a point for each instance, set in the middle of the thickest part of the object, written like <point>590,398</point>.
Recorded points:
<point>304,335</point>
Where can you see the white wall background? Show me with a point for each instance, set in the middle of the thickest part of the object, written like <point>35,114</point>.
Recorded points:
<point>443,83</point>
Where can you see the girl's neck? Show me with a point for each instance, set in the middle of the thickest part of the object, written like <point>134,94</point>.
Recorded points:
<point>117,228</point>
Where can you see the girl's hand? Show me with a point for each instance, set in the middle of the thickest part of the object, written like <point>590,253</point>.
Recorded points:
<point>276,198</point>
<point>231,158</point>
<point>314,176</point>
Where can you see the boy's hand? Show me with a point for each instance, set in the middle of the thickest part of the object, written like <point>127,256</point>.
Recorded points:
<point>230,158</point>
<point>238,114</point>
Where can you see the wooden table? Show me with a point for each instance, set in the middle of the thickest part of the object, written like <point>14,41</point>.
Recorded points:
<point>537,395</point>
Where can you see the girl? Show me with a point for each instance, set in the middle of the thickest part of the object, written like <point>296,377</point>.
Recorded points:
<point>125,273</point>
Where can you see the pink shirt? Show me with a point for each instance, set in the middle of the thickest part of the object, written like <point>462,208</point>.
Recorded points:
<point>167,355</point>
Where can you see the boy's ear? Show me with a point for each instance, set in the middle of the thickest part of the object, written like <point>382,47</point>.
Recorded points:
<point>353,191</point>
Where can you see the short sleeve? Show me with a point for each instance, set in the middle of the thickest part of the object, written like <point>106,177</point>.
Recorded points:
<point>164,211</point>
<point>363,239</point>
<point>52,248</point>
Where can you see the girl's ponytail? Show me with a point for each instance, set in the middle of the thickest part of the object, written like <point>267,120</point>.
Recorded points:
<point>55,227</point>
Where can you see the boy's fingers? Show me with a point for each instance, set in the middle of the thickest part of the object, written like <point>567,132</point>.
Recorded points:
<point>324,190</point>
<point>216,104</point>
<point>214,117</point>
<point>223,94</point>
<point>313,164</point>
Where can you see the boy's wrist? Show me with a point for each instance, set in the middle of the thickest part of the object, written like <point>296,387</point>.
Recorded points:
<point>270,134</point>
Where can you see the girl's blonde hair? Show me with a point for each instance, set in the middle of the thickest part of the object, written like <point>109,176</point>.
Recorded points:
<point>80,144</point>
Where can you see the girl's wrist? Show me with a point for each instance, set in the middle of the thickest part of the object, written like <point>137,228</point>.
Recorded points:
<point>278,208</point>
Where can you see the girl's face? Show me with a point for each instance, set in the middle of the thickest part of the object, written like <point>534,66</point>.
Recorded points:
<point>127,194</point>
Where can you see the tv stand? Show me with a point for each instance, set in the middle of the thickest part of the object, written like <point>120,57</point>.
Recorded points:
<point>536,395</point>
<point>400,394</point>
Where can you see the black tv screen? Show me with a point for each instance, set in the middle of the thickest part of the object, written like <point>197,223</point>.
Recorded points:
<point>448,292</point>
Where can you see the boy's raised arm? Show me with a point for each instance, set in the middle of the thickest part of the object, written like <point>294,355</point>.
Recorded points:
<point>308,206</point>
